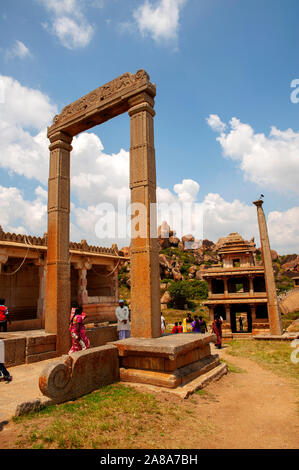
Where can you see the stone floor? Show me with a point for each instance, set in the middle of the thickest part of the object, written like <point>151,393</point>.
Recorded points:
<point>22,389</point>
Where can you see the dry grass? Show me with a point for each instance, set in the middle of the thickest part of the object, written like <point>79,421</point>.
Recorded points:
<point>113,417</point>
<point>274,355</point>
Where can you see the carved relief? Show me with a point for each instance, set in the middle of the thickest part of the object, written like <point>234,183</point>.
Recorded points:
<point>125,81</point>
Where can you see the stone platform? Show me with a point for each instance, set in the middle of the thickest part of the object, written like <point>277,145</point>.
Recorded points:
<point>283,337</point>
<point>168,361</point>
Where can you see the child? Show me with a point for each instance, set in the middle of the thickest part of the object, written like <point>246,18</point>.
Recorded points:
<point>3,315</point>
<point>180,327</point>
<point>3,370</point>
<point>175,328</point>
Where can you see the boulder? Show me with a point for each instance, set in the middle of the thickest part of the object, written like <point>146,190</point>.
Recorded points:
<point>274,255</point>
<point>294,327</point>
<point>165,298</point>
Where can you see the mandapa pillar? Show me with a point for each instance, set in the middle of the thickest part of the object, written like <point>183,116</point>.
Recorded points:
<point>273,307</point>
<point>58,287</point>
<point>145,272</point>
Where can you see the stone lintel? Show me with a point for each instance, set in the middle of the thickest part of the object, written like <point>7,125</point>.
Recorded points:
<point>103,103</point>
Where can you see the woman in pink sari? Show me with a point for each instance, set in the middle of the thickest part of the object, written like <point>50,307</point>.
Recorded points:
<point>77,329</point>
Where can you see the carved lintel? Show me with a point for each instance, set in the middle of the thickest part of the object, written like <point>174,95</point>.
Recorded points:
<point>117,87</point>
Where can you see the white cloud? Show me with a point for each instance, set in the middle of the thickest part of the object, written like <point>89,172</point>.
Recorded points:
<point>97,177</point>
<point>160,20</point>
<point>18,50</point>
<point>222,217</point>
<point>215,123</point>
<point>269,161</point>
<point>283,228</point>
<point>69,23</point>
<point>23,109</point>
<point>22,216</point>
<point>187,191</point>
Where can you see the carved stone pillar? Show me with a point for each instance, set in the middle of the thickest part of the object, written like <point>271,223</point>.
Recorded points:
<point>145,274</point>
<point>58,261</point>
<point>210,291</point>
<point>82,293</point>
<point>273,307</point>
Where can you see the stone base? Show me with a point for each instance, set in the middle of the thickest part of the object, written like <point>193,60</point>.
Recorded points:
<point>188,389</point>
<point>169,361</point>
<point>284,337</point>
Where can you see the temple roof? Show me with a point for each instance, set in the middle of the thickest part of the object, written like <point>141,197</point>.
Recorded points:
<point>235,243</point>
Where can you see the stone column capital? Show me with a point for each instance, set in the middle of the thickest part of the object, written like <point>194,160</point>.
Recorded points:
<point>145,106</point>
<point>60,140</point>
<point>258,203</point>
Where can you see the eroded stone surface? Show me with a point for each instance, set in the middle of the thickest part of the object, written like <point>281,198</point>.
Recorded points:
<point>80,373</point>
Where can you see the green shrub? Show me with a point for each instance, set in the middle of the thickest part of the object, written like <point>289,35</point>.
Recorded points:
<point>183,292</point>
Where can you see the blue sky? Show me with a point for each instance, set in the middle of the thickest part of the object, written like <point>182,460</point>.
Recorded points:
<point>223,71</point>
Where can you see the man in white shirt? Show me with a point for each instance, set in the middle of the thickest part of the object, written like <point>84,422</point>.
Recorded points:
<point>123,320</point>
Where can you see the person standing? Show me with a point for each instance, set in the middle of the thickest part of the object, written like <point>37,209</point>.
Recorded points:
<point>123,320</point>
<point>3,315</point>
<point>180,327</point>
<point>203,326</point>
<point>6,375</point>
<point>77,329</point>
<point>196,325</point>
<point>217,329</point>
<point>163,324</point>
<point>241,324</point>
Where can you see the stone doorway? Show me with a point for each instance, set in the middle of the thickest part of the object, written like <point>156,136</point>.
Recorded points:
<point>133,94</point>
<point>243,312</point>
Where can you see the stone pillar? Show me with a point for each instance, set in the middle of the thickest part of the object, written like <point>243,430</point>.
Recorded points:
<point>58,260</point>
<point>211,312</point>
<point>227,312</point>
<point>253,312</point>
<point>82,293</point>
<point>115,285</point>
<point>225,287</point>
<point>42,274</point>
<point>82,287</point>
<point>3,260</point>
<point>273,307</point>
<point>145,272</point>
<point>210,287</point>
<point>251,291</point>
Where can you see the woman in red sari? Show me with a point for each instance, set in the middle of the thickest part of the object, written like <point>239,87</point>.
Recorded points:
<point>77,329</point>
<point>217,329</point>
